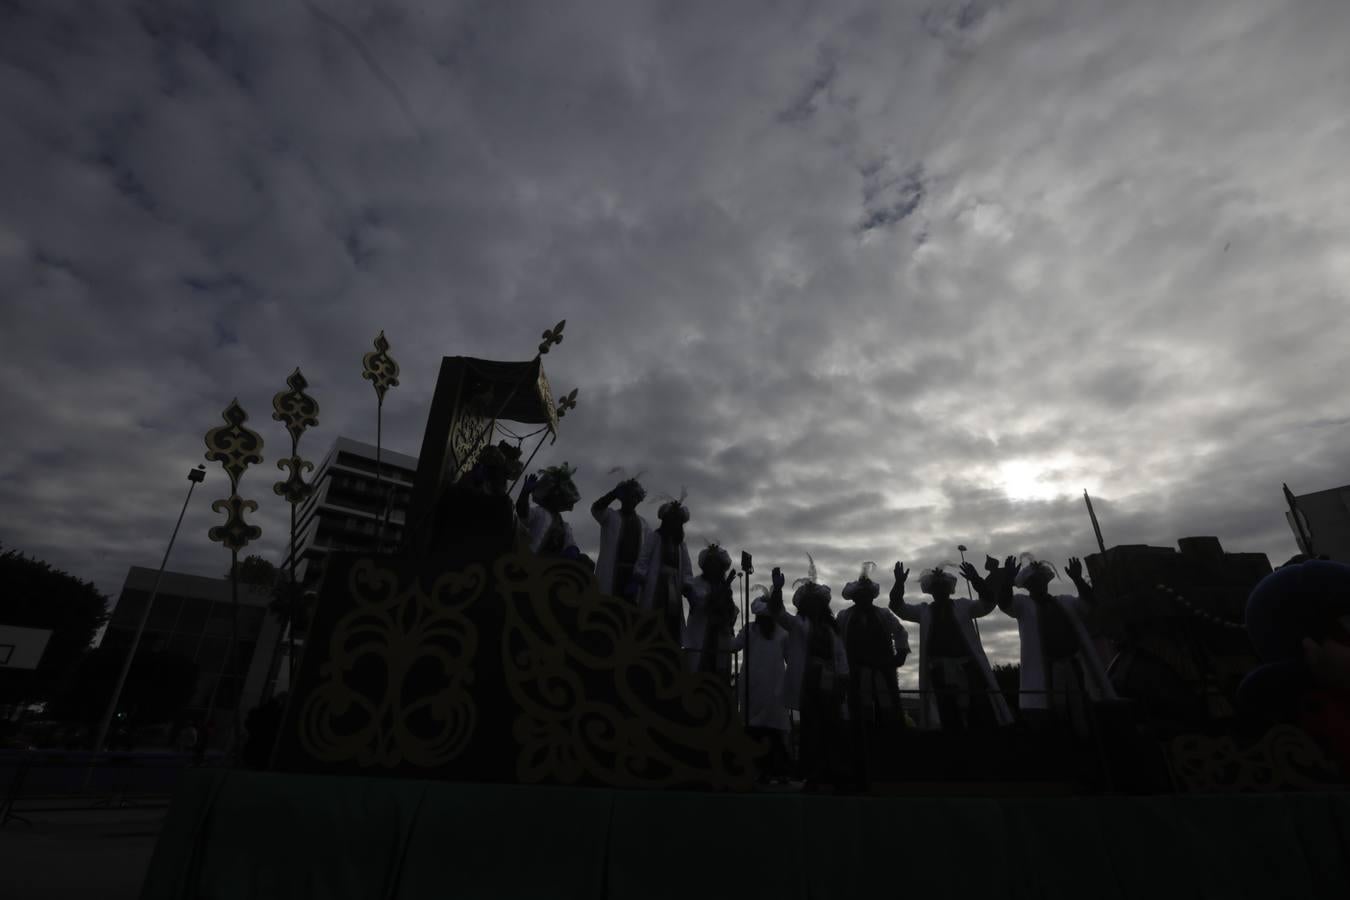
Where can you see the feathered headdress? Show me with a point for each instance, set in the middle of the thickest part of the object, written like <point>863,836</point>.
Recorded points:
<point>715,551</point>
<point>805,588</point>
<point>630,480</point>
<point>503,458</point>
<point>929,577</point>
<point>865,588</point>
<point>1030,566</point>
<point>673,508</point>
<point>760,604</point>
<point>556,481</point>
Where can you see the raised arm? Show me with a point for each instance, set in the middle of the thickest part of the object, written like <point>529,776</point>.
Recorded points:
<point>1085,592</point>
<point>907,611</point>
<point>788,623</point>
<point>1005,587</point>
<point>984,587</point>
<point>523,501</point>
<point>601,505</point>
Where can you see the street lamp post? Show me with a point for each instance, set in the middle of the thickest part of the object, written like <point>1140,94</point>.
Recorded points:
<point>195,476</point>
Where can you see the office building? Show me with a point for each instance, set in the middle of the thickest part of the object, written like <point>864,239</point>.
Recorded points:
<point>194,616</point>
<point>349,510</point>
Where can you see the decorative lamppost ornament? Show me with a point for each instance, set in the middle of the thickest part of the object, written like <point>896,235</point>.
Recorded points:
<point>235,446</point>
<point>381,370</point>
<point>299,411</point>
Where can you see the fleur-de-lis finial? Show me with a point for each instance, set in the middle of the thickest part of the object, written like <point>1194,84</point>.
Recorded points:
<point>567,402</point>
<point>552,336</point>
<point>294,407</point>
<point>380,368</point>
<point>234,445</point>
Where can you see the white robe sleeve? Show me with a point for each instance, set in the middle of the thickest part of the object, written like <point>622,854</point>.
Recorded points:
<point>898,634</point>
<point>538,524</point>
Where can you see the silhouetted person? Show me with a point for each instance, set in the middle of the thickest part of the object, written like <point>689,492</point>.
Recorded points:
<point>712,614</point>
<point>1298,619</point>
<point>817,678</point>
<point>956,683</point>
<point>623,535</point>
<point>554,493</point>
<point>876,644</point>
<point>1060,671</point>
<point>767,717</point>
<point>663,569</point>
<point>476,514</point>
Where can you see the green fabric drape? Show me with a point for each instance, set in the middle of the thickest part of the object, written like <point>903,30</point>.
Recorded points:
<point>237,835</point>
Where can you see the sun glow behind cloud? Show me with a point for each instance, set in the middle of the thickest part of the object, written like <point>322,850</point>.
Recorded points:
<point>1042,479</point>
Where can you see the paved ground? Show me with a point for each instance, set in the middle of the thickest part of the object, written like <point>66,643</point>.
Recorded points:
<point>86,855</point>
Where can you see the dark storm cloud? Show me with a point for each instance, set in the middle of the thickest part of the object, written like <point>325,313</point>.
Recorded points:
<point>869,280</point>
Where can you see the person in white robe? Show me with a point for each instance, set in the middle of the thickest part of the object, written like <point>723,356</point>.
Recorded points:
<point>554,493</point>
<point>766,711</point>
<point>817,677</point>
<point>957,688</point>
<point>1061,669</point>
<point>712,614</point>
<point>623,536</point>
<point>664,570</point>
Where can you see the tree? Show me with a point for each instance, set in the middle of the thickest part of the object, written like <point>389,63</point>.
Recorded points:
<point>33,594</point>
<point>287,600</point>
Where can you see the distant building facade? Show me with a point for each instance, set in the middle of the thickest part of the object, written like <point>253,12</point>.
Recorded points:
<point>345,513</point>
<point>1326,516</point>
<point>193,616</point>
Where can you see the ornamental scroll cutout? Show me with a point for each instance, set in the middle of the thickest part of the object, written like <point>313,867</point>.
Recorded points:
<point>469,433</point>
<point>1285,759</point>
<point>235,534</point>
<point>234,445</point>
<point>294,407</point>
<point>379,368</point>
<point>294,487</point>
<point>396,627</point>
<point>582,668</point>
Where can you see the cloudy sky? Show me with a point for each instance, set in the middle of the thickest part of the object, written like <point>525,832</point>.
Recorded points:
<point>870,279</point>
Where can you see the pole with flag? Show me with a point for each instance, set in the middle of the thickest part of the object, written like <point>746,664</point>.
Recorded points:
<point>1096,528</point>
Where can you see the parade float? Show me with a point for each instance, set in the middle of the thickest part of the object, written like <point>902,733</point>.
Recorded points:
<point>471,719</point>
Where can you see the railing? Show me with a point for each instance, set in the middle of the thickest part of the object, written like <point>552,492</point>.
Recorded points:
<point>54,782</point>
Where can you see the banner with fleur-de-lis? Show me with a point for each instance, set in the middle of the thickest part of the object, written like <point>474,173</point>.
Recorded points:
<point>298,411</point>
<point>235,446</point>
<point>379,368</point>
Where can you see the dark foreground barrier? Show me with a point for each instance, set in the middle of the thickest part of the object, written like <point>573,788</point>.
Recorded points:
<point>53,782</point>
<point>262,835</point>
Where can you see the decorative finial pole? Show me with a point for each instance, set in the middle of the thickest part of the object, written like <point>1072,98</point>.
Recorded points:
<point>567,402</point>
<point>236,447</point>
<point>299,411</point>
<point>380,369</point>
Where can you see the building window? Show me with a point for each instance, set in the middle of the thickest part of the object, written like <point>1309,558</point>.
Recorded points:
<point>164,612</point>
